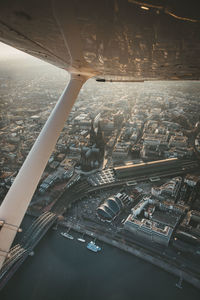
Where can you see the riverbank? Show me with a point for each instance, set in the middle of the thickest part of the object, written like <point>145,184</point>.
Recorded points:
<point>153,258</point>
<point>138,252</point>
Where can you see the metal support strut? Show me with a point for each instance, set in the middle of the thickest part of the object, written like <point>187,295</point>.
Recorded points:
<point>20,194</point>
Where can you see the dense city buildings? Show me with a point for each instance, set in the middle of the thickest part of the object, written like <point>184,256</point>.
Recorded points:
<point>126,164</point>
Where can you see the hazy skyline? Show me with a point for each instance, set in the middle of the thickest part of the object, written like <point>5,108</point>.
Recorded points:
<point>8,53</point>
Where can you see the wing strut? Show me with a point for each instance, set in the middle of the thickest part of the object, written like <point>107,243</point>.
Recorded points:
<point>20,194</point>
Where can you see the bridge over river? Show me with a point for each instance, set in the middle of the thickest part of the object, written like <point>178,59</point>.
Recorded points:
<point>19,252</point>
<point>74,193</point>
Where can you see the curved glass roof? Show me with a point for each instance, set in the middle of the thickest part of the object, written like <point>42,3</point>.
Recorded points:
<point>112,203</point>
<point>103,214</point>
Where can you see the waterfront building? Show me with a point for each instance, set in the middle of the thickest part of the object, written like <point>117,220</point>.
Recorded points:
<point>136,210</point>
<point>149,230</point>
<point>169,218</point>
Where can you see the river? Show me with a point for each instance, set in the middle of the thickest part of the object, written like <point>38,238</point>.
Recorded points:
<point>63,269</point>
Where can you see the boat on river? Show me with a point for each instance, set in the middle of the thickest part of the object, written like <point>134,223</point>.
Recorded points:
<point>81,239</point>
<point>93,247</point>
<point>67,235</point>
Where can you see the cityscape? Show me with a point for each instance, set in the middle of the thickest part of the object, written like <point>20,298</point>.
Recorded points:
<point>125,170</point>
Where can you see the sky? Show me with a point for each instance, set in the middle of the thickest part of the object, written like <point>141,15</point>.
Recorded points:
<point>8,53</point>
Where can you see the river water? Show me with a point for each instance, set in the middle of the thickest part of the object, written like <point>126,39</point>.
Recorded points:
<point>63,269</point>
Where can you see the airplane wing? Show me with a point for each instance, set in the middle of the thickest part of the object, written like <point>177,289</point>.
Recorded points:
<point>116,39</point>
